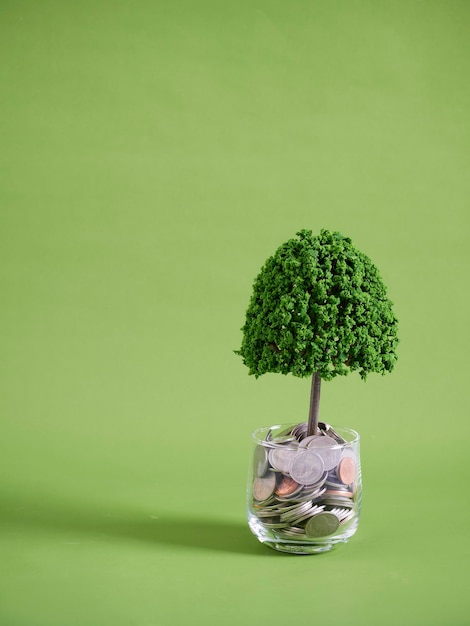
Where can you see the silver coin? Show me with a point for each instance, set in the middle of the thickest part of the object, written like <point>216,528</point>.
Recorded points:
<point>319,483</point>
<point>297,512</point>
<point>304,443</point>
<point>333,480</point>
<point>270,499</point>
<point>273,524</point>
<point>327,448</point>
<point>339,493</point>
<point>321,525</point>
<point>285,432</point>
<point>316,510</point>
<point>283,439</point>
<point>281,506</point>
<point>294,531</point>
<point>264,487</point>
<point>294,504</point>
<point>270,513</point>
<point>258,508</point>
<point>300,430</point>
<point>292,498</point>
<point>281,457</point>
<point>291,507</point>
<point>342,513</point>
<point>312,495</point>
<point>280,512</point>
<point>292,538</point>
<point>328,430</point>
<point>300,507</point>
<point>337,502</point>
<point>307,467</point>
<point>348,518</point>
<point>260,461</point>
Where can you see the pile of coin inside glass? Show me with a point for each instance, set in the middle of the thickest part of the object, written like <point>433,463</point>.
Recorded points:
<point>304,487</point>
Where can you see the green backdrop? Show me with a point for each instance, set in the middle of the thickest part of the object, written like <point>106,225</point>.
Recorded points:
<point>154,154</point>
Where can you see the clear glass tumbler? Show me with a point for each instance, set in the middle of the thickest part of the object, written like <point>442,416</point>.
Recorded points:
<point>304,492</point>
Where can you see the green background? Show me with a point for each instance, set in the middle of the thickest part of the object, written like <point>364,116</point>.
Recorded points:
<point>154,154</point>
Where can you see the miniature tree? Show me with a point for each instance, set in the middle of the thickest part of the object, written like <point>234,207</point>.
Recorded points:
<point>319,308</point>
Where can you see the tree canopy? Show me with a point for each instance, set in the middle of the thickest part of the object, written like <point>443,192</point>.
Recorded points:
<point>319,305</point>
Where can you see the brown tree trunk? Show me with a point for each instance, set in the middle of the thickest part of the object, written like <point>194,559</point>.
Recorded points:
<point>314,405</point>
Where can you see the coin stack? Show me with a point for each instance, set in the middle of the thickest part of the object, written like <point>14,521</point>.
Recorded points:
<point>304,487</point>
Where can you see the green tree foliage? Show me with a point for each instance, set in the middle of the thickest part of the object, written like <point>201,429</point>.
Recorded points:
<point>319,305</point>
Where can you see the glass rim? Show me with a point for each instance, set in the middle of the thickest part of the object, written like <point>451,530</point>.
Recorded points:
<point>340,429</point>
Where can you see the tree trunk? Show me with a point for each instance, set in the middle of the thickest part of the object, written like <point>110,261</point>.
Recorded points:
<point>314,405</point>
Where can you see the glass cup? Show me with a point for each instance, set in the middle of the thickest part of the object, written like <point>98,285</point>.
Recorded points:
<point>304,493</point>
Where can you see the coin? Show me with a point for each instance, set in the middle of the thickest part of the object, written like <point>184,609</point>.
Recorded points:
<point>327,448</point>
<point>304,443</point>
<point>338,493</point>
<point>334,502</point>
<point>321,525</point>
<point>281,457</point>
<point>333,480</point>
<point>284,508</point>
<point>263,487</point>
<point>293,497</point>
<point>297,512</point>
<point>319,483</point>
<point>285,432</point>
<point>307,467</point>
<point>283,439</point>
<point>300,431</point>
<point>294,531</point>
<point>263,504</point>
<point>287,486</point>
<point>311,494</point>
<point>273,524</point>
<point>260,461</point>
<point>342,514</point>
<point>346,470</point>
<point>315,510</point>
<point>327,430</point>
<point>347,518</point>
